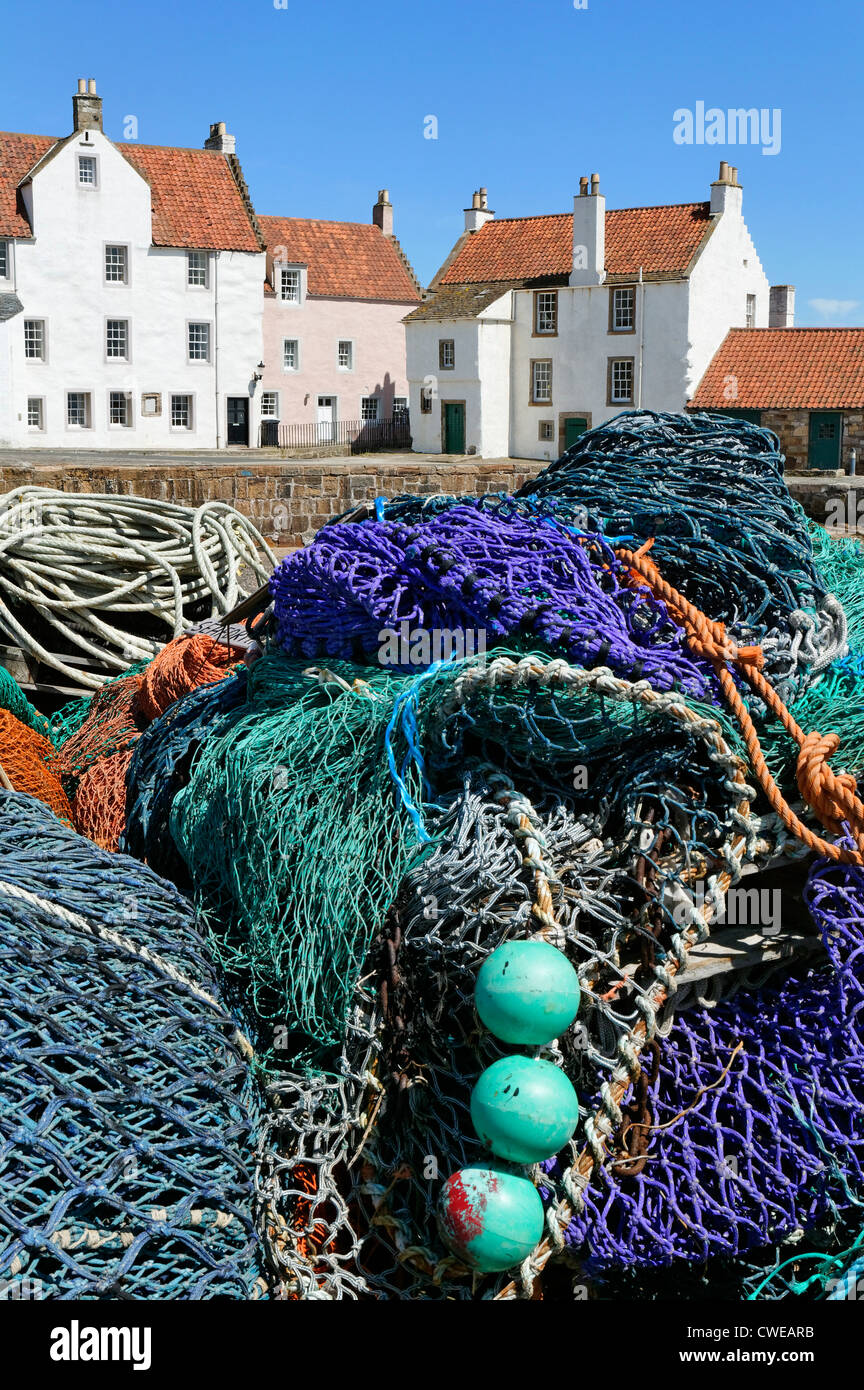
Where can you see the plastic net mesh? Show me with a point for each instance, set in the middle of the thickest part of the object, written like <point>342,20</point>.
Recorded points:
<point>125,1121</point>
<point>29,762</point>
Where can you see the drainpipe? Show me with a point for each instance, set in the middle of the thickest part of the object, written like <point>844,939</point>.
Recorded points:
<point>641,334</point>
<point>216,256</point>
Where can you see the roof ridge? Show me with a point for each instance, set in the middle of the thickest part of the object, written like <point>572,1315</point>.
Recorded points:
<point>804,328</point>
<point>638,207</point>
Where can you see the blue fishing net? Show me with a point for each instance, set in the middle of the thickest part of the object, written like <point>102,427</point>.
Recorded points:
<point>126,1116</point>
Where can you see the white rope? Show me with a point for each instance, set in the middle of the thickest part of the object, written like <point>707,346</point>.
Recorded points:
<point>79,561</point>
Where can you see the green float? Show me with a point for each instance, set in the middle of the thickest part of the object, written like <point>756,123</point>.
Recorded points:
<point>524,1109</point>
<point>490,1217</point>
<point>527,993</point>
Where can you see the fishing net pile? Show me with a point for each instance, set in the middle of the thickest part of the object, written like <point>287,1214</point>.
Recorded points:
<point>95,736</point>
<point>363,828</point>
<point>90,583</point>
<point>126,1112</point>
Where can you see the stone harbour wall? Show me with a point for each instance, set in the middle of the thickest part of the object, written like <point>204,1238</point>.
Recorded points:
<point>288,501</point>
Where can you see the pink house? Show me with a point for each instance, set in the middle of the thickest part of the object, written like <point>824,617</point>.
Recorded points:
<point>334,342</point>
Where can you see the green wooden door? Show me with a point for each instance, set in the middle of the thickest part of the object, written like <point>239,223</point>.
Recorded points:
<point>454,427</point>
<point>826,430</point>
<point>573,427</point>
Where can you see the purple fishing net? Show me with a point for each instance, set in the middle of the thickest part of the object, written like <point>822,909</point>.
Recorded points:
<point>528,581</point>
<point>779,1144</point>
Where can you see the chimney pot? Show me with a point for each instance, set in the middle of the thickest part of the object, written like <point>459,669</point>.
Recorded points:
<point>583,187</point>
<point>382,213</point>
<point>595,185</point>
<point>86,106</point>
<point>219,139</point>
<point>479,212</point>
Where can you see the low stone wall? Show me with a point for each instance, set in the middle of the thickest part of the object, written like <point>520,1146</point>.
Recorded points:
<point>288,501</point>
<point>833,501</point>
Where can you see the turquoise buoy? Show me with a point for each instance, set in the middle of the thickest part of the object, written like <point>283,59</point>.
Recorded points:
<point>524,1109</point>
<point>489,1217</point>
<point>527,992</point>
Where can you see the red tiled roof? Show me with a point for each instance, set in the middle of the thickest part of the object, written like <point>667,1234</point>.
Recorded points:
<point>18,154</point>
<point>346,260</point>
<point>661,240</point>
<point>786,369</point>
<point>195,198</point>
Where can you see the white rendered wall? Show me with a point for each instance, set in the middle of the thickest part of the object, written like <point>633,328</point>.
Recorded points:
<point>59,277</point>
<point>719,285</point>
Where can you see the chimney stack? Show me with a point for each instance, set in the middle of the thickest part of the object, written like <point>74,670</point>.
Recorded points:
<point>479,212</point>
<point>86,106</point>
<point>589,234</point>
<point>220,140</point>
<point>726,194</point>
<point>382,213</point>
<point>781,306</point>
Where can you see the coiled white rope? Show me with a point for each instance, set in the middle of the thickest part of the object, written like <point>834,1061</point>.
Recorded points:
<point>78,559</point>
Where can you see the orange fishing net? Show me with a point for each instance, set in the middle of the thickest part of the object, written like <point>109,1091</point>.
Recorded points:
<point>100,802</point>
<point>184,665</point>
<point>110,727</point>
<point>29,764</point>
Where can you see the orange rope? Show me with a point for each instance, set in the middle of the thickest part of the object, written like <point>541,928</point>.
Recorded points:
<point>833,797</point>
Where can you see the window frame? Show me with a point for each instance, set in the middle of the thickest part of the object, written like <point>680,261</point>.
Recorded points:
<point>85,183</point>
<point>43,356</point>
<point>444,343</point>
<point>370,419</point>
<point>188,396</point>
<point>610,373</point>
<point>192,284</point>
<point>198,323</point>
<point>269,415</point>
<point>114,424</point>
<point>40,428</point>
<point>288,268</point>
<point>115,246</point>
<point>88,411</point>
<point>7,276</point>
<point>750,306</point>
<point>113,356</point>
<point>401,406</point>
<point>548,425</point>
<point>537,331</point>
<point>613,291</point>
<point>349,343</point>
<point>533,399</point>
<point>291,371</point>
<point>425,402</point>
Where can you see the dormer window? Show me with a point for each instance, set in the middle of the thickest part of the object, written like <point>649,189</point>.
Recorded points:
<point>87,170</point>
<point>289,284</point>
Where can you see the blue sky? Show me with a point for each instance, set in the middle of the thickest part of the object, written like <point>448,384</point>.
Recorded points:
<point>328,102</point>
